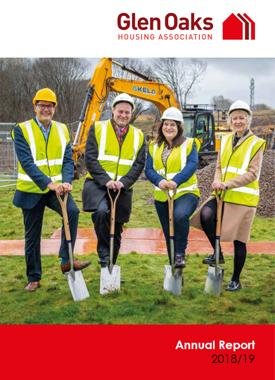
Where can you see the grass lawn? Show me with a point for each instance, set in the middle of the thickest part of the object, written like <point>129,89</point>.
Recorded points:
<point>143,215</point>
<point>142,299</point>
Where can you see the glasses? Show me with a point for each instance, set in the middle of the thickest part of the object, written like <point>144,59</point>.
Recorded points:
<point>45,106</point>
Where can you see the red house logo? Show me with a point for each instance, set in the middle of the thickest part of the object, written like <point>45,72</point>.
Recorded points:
<point>238,27</point>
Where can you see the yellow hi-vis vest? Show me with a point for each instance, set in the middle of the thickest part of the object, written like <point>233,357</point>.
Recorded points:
<point>175,163</point>
<point>235,162</point>
<point>116,160</point>
<point>48,156</point>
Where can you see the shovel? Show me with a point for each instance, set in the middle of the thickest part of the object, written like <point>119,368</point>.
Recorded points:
<point>110,276</point>
<point>215,274</point>
<point>173,277</point>
<point>75,279</point>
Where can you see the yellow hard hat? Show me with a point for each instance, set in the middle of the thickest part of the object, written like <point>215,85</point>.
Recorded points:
<point>45,94</point>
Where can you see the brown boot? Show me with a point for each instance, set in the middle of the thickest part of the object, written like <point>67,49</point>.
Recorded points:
<point>32,286</point>
<point>78,265</point>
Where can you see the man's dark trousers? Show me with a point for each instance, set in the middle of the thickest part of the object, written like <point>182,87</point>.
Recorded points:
<point>101,220</point>
<point>33,220</point>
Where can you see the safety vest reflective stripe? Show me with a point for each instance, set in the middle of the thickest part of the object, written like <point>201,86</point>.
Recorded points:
<point>47,156</point>
<point>173,166</point>
<point>224,140</point>
<point>170,175</point>
<point>189,188</point>
<point>243,169</point>
<point>62,138</point>
<point>183,154</point>
<point>25,177</point>
<point>116,160</point>
<point>102,147</point>
<point>181,189</point>
<point>246,190</point>
<point>239,160</point>
<point>154,150</point>
<point>183,159</point>
<point>113,176</point>
<point>136,141</point>
<point>161,172</point>
<point>31,138</point>
<point>232,169</point>
<point>33,146</point>
<point>248,153</point>
<point>126,162</point>
<point>58,161</point>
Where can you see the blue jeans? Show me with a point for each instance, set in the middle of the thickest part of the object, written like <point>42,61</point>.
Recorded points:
<point>184,207</point>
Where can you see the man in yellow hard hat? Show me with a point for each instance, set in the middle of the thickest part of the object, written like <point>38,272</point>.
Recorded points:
<point>45,168</point>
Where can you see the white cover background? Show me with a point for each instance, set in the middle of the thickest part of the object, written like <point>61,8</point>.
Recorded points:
<point>87,28</point>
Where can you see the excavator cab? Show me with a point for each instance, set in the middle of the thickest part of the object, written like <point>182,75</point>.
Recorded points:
<point>200,125</point>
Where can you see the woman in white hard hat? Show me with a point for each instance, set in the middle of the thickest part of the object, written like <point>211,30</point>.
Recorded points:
<point>171,164</point>
<point>237,173</point>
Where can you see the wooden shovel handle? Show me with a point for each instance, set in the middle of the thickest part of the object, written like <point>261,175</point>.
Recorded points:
<point>170,198</point>
<point>219,198</point>
<point>63,205</point>
<point>113,209</point>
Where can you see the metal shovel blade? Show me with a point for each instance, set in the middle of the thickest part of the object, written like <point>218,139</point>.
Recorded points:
<point>77,285</point>
<point>213,284</point>
<point>109,282</point>
<point>173,282</point>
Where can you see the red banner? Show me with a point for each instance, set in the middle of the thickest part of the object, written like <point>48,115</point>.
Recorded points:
<point>137,351</point>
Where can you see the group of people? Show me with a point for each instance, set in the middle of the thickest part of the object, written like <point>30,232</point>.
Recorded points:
<point>115,157</point>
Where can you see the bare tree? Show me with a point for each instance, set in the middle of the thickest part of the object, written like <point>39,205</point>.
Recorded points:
<point>221,103</point>
<point>16,89</point>
<point>180,74</point>
<point>65,76</point>
<point>21,78</point>
<point>140,66</point>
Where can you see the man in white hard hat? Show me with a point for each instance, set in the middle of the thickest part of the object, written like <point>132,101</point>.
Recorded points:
<point>115,157</point>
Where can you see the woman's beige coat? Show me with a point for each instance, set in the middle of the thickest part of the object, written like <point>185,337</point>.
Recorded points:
<point>237,219</point>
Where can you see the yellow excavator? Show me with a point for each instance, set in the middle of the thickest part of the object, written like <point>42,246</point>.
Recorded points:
<point>198,120</point>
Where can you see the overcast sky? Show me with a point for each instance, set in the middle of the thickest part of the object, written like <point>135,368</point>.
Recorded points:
<point>230,77</point>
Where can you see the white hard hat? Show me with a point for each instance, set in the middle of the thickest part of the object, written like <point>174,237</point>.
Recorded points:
<point>172,113</point>
<point>123,98</point>
<point>240,105</point>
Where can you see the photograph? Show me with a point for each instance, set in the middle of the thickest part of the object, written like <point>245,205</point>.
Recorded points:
<point>137,190</point>
<point>141,187</point>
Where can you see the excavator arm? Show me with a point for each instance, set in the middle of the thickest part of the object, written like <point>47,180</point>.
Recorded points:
<point>101,84</point>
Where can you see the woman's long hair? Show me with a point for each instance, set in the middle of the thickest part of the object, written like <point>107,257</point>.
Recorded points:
<point>178,140</point>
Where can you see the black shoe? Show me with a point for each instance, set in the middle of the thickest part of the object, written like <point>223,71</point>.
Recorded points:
<point>211,259</point>
<point>179,262</point>
<point>233,286</point>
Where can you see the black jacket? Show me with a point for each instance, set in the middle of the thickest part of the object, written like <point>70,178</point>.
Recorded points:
<point>94,190</point>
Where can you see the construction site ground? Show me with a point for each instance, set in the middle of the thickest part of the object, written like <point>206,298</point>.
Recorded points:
<point>139,240</point>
